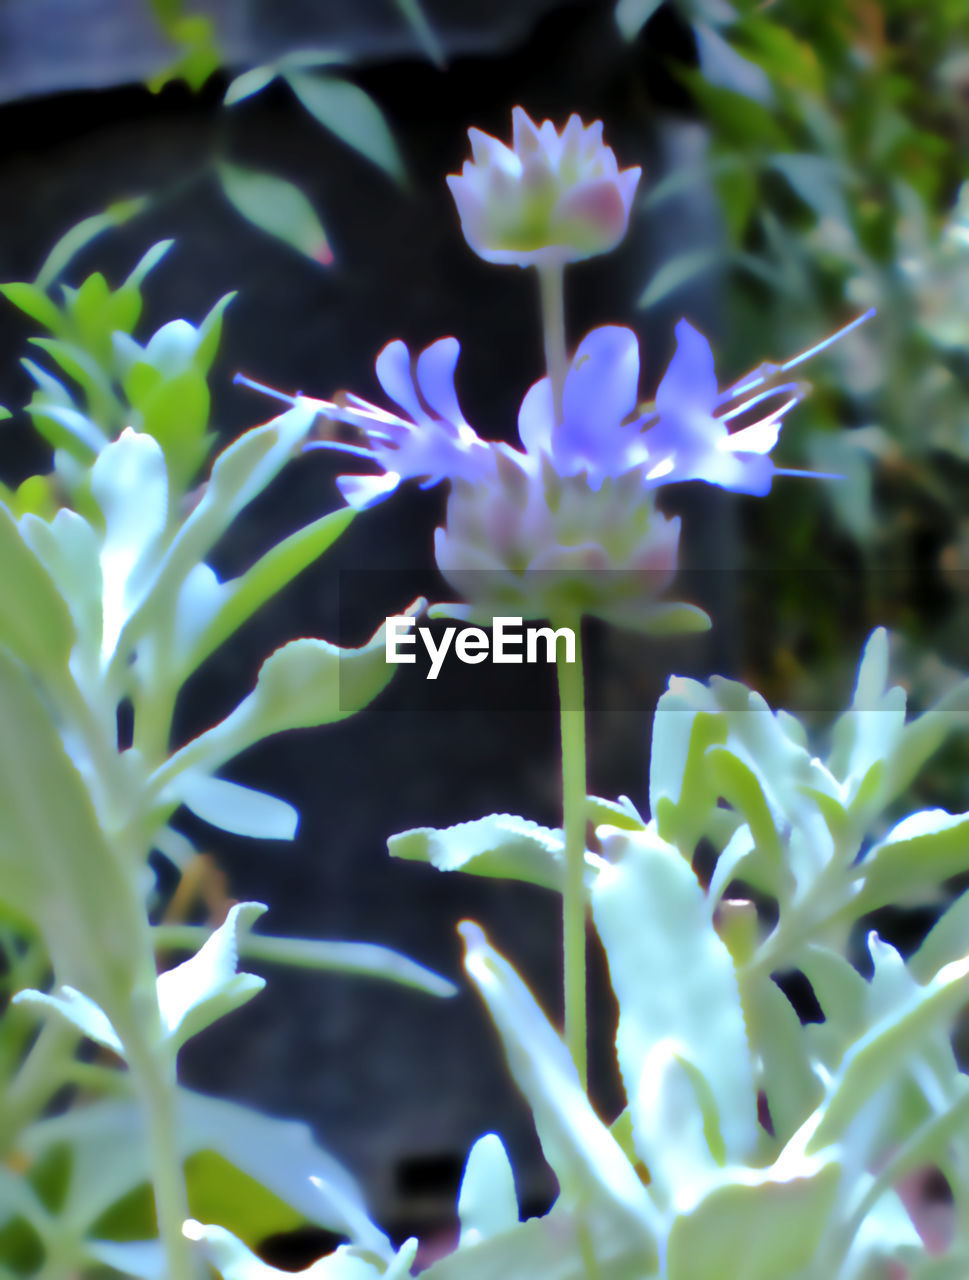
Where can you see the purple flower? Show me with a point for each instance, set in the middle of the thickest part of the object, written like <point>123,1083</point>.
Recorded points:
<point>602,435</point>
<point>433,443</point>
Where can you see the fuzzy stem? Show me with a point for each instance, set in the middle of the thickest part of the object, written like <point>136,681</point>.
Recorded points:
<point>154,1076</point>
<point>572,713</point>
<point>551,281</point>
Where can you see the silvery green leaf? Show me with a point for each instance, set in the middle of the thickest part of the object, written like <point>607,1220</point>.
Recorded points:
<point>869,730</point>
<point>239,474</point>
<point>760,1226</point>
<point>561,1246</point>
<point>110,1158</point>
<point>841,992</point>
<point>207,986</point>
<point>143,1259</point>
<point>225,606</point>
<point>176,847</point>
<point>240,810</point>
<point>75,1007</point>
<point>616,813</point>
<point>129,482</point>
<point>923,736</point>
<point>676,1127</point>
<point>916,856</point>
<point>587,1161</point>
<point>35,624</point>
<point>200,598</point>
<point>732,864</point>
<point>56,868</point>
<point>674,980</point>
<point>886,1235</point>
<point>365,959</point>
<point>171,349</point>
<point>947,940</point>
<point>765,863</point>
<point>69,549</point>
<point>500,845</point>
<point>886,1049</point>
<point>792,1088</point>
<point>488,1202</point>
<point>681,792</point>
<point>235,1261</point>
<point>305,683</point>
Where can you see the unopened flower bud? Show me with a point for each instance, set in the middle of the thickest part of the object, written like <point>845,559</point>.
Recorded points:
<point>550,198</point>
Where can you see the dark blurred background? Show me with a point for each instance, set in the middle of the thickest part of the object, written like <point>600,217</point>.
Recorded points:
<point>803,161</point>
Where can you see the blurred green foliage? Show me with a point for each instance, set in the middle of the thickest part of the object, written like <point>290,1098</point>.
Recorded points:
<point>837,133</point>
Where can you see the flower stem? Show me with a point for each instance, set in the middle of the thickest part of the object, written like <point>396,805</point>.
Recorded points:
<point>572,713</point>
<point>154,1076</point>
<point>551,281</point>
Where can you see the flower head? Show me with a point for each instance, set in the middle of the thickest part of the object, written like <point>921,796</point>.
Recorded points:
<point>549,198</point>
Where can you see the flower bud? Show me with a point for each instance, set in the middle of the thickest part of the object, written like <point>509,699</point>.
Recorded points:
<point>549,199</point>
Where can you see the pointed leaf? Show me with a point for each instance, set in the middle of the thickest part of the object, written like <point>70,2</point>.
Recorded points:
<point>674,979</point>
<point>206,987</point>
<point>239,599</point>
<point>240,810</point>
<point>129,482</point>
<point>82,1013</point>
<point>351,114</point>
<point>488,1202</point>
<point>35,624</point>
<point>304,684</point>
<point>500,845</point>
<point>365,959</point>
<point>56,868</point>
<point>278,208</point>
<point>585,1157</point>
<point>916,856</point>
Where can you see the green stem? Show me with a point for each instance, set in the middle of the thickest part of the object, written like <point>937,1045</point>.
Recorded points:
<point>551,281</point>
<point>154,1077</point>
<point>572,713</point>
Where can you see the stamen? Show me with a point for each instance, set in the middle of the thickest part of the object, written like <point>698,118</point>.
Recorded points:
<point>764,395</point>
<point>826,342</point>
<point>759,376</point>
<point>357,450</point>
<point>240,380</point>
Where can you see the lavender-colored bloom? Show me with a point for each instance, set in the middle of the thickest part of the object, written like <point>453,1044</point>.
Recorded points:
<point>433,443</point>
<point>601,436</point>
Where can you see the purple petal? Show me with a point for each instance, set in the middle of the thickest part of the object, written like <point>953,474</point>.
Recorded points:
<point>435,377</point>
<point>360,492</point>
<point>690,382</point>
<point>394,375</point>
<point>750,473</point>
<point>602,384</point>
<point>535,418</point>
<point>760,437</point>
